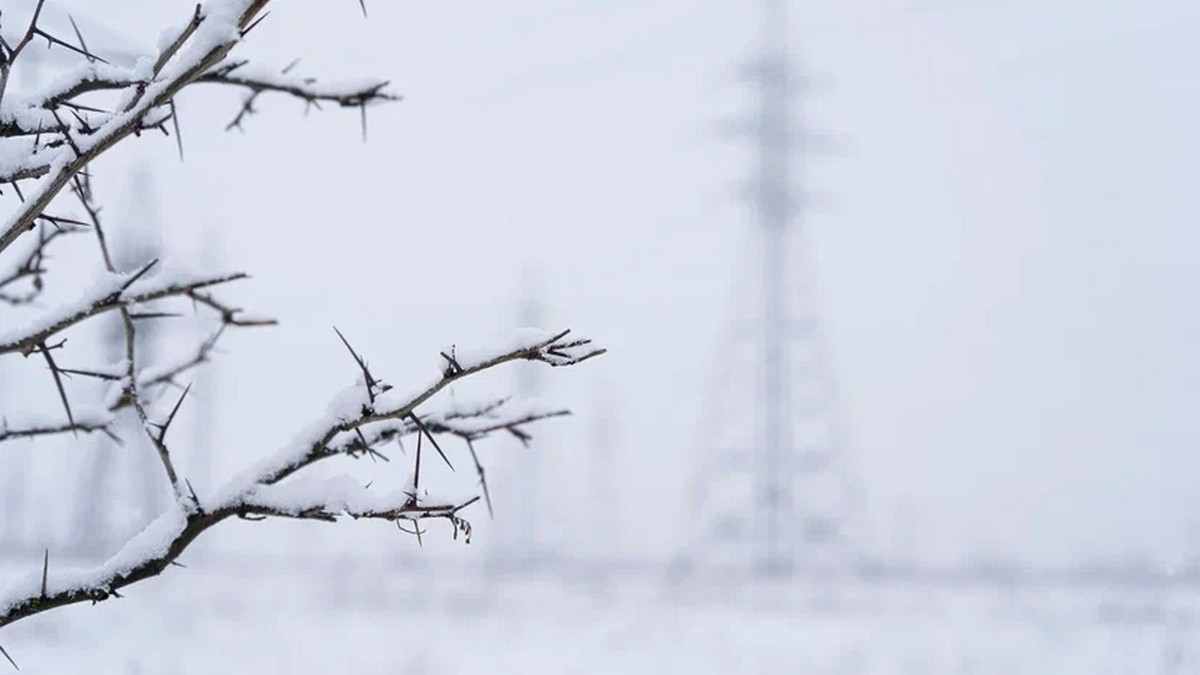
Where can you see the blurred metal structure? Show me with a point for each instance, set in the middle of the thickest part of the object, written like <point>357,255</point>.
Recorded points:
<point>207,387</point>
<point>519,545</point>
<point>14,538</point>
<point>94,530</point>
<point>774,203</point>
<point>772,500</point>
<point>604,493</point>
<point>14,498</point>
<point>120,491</point>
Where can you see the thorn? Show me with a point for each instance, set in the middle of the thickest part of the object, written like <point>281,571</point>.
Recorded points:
<point>79,36</point>
<point>178,134</point>
<point>140,273</point>
<point>256,22</point>
<point>370,381</point>
<point>62,392</point>
<point>366,445</point>
<point>453,367</point>
<point>192,492</point>
<point>487,497</point>
<point>421,426</point>
<point>170,418</point>
<point>520,435</point>
<point>417,472</point>
<point>10,660</point>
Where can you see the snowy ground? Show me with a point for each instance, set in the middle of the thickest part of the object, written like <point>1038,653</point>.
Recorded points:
<point>337,617</point>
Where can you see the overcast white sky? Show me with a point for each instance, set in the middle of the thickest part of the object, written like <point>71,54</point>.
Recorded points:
<point>1001,243</point>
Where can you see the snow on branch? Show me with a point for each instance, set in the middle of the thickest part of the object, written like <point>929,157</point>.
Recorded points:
<point>95,421</point>
<point>356,94</point>
<point>27,271</point>
<point>50,135</point>
<point>114,291</point>
<point>68,133</point>
<point>373,402</point>
<point>272,488</point>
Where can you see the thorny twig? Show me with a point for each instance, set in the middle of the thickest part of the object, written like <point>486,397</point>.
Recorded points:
<point>251,497</point>
<point>146,103</point>
<point>64,127</point>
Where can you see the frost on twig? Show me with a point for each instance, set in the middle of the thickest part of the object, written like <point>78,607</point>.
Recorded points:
<point>50,136</point>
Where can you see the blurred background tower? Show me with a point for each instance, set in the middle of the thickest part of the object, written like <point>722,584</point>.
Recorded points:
<point>520,545</point>
<point>17,470</point>
<point>207,388</point>
<point>121,491</point>
<point>14,501</point>
<point>91,531</point>
<point>201,459</point>
<point>605,545</point>
<point>771,499</point>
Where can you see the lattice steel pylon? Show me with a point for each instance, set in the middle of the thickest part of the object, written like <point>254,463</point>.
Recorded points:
<point>519,540</point>
<point>774,496</point>
<point>120,488</point>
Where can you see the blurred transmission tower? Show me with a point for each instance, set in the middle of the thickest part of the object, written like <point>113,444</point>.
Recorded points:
<point>520,543</point>
<point>772,498</point>
<point>91,532</point>
<point>120,491</point>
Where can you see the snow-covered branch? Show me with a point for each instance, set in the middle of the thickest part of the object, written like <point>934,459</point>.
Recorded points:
<point>50,135</point>
<point>68,134</point>
<point>28,270</point>
<point>115,291</point>
<point>272,488</point>
<point>376,401</point>
<point>98,422</point>
<point>313,92</point>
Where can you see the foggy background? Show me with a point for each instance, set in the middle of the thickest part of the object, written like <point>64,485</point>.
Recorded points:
<point>996,241</point>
